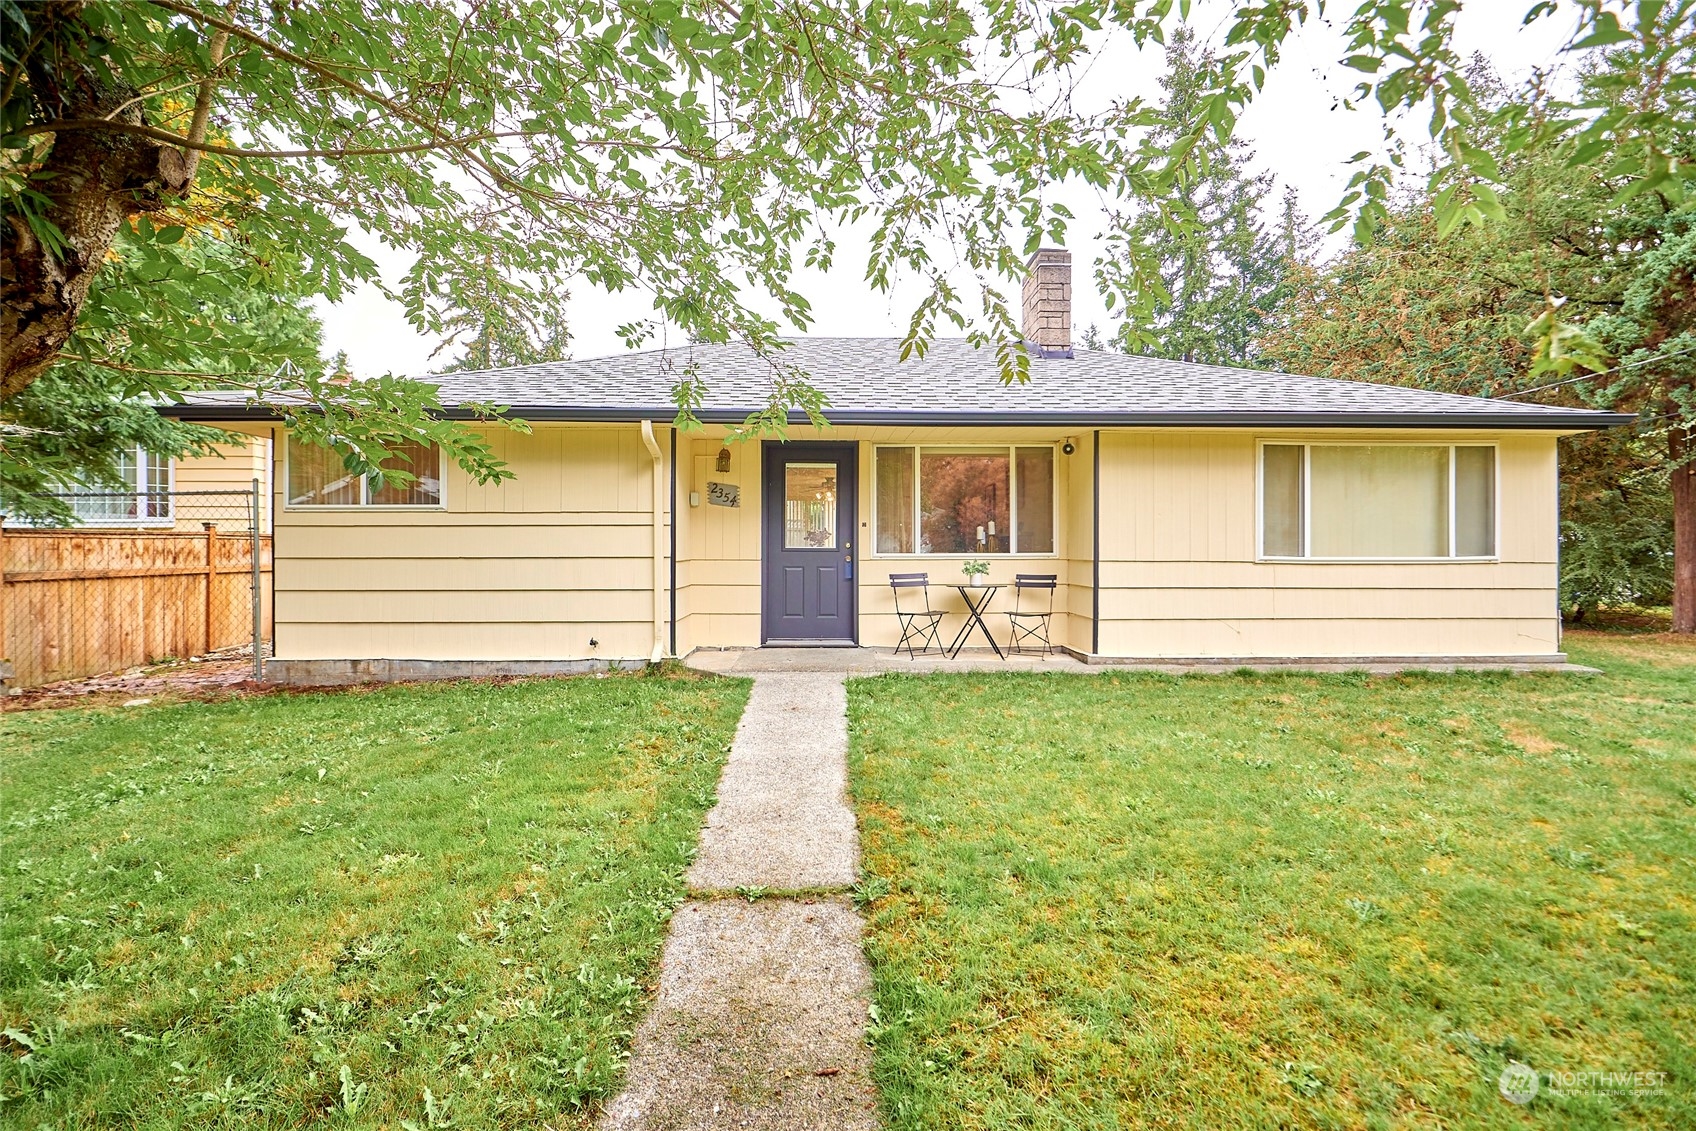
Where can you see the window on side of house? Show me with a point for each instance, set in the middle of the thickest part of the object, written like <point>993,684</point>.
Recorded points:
<point>143,500</point>
<point>1376,501</point>
<point>965,501</point>
<point>317,477</point>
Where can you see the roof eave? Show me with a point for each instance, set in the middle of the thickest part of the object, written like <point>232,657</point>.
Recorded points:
<point>1572,421</point>
<point>1576,421</point>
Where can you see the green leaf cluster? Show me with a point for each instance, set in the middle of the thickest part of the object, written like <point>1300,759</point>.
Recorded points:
<point>171,312</point>
<point>1616,549</point>
<point>694,151</point>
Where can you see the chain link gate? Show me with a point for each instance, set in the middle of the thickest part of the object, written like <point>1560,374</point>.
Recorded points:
<point>144,577</point>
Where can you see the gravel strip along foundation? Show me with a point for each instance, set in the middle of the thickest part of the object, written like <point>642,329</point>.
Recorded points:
<point>761,1013</point>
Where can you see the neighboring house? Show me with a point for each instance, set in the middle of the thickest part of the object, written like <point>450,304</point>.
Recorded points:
<point>1189,511</point>
<point>149,500</point>
<point>150,479</point>
<point>164,565</point>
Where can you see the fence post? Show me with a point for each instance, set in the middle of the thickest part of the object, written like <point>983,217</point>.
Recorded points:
<point>258,598</point>
<point>211,576</point>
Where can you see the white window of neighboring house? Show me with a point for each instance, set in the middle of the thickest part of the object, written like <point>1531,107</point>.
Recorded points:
<point>317,477</point>
<point>1405,502</point>
<point>144,500</point>
<point>964,501</point>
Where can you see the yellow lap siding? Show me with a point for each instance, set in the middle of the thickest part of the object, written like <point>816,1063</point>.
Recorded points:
<point>1180,574</point>
<point>531,569</point>
<point>718,548</point>
<point>543,606</point>
<point>459,575</point>
<point>463,641</point>
<point>1344,637</point>
<point>1327,575</point>
<point>1320,604</point>
<point>230,467</point>
<point>444,539</point>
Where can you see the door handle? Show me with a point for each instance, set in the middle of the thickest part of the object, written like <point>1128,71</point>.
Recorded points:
<point>848,568</point>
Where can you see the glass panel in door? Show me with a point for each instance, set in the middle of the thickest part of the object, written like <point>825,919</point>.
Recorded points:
<point>809,506</point>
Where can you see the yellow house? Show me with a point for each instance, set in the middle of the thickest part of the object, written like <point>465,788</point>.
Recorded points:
<point>1184,512</point>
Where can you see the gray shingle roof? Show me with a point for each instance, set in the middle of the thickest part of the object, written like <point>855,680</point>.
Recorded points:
<point>956,384</point>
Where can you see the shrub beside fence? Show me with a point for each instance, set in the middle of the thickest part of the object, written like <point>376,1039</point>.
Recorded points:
<point>78,602</point>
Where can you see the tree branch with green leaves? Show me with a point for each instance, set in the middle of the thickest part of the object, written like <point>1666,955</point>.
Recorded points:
<point>691,149</point>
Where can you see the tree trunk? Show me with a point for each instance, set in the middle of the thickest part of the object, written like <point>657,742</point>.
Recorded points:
<point>1681,446</point>
<point>94,181</point>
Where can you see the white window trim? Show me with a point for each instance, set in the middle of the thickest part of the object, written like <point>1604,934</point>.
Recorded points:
<point>365,489</point>
<point>1307,447</point>
<point>144,460</point>
<point>1012,502</point>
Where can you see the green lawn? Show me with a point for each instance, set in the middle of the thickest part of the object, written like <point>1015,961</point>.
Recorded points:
<point>417,906</point>
<point>1269,901</point>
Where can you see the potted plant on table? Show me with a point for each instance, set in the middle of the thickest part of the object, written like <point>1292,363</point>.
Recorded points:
<point>975,570</point>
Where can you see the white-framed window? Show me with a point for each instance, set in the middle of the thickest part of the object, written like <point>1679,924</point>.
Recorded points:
<point>317,477</point>
<point>971,501</point>
<point>1377,502</point>
<point>144,500</point>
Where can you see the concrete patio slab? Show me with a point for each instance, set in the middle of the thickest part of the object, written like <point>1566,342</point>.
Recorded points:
<point>853,662</point>
<point>759,1023</point>
<point>782,819</point>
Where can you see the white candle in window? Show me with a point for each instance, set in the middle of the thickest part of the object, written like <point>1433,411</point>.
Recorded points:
<point>992,529</point>
<point>980,535</point>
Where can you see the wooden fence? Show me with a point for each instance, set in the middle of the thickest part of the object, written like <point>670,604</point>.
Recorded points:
<point>75,603</point>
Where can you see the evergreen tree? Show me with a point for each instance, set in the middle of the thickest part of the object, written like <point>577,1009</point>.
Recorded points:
<point>1221,270</point>
<point>495,318</point>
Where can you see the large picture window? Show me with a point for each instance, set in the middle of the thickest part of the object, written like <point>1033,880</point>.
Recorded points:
<point>966,501</point>
<point>318,478</point>
<point>1409,501</point>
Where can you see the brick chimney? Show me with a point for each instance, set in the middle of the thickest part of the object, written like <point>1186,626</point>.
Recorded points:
<point>1048,302</point>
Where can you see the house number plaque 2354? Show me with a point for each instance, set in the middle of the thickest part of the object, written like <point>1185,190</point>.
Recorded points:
<point>724,494</point>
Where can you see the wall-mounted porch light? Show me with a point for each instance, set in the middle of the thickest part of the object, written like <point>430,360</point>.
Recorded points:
<point>723,463</point>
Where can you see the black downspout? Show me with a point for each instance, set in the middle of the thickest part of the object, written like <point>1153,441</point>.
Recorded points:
<point>1095,550</point>
<point>672,608</point>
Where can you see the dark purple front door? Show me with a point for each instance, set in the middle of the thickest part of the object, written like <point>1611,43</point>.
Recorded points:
<point>807,589</point>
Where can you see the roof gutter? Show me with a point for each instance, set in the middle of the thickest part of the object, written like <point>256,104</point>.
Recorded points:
<point>1573,420</point>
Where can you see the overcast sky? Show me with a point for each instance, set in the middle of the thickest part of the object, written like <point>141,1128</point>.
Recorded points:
<point>1295,127</point>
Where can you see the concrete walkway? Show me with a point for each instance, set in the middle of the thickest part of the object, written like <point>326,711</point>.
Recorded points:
<point>782,819</point>
<point>761,1014</point>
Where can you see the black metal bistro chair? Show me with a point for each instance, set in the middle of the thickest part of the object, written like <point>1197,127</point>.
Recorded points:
<point>1033,609</point>
<point>918,624</point>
